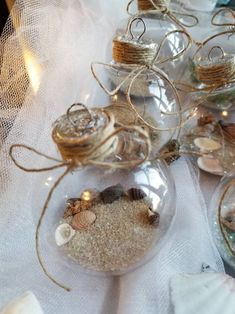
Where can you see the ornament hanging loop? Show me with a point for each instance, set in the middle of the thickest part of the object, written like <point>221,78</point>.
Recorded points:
<point>214,48</point>
<point>69,115</point>
<point>130,27</point>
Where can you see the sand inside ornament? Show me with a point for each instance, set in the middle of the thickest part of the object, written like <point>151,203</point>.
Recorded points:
<point>120,236</point>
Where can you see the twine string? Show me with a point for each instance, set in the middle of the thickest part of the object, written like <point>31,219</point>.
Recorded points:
<point>74,163</point>
<point>223,10</point>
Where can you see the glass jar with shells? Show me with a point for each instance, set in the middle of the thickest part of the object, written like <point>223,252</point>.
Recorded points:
<point>222,218</point>
<point>111,210</point>
<point>137,81</point>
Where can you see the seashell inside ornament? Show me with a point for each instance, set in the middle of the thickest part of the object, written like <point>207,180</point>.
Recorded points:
<point>138,82</point>
<point>63,234</point>
<point>222,217</point>
<point>111,238</point>
<point>83,220</point>
<point>204,293</point>
<point>213,150</point>
<point>210,76</point>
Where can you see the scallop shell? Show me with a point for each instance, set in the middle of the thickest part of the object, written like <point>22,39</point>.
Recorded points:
<point>211,165</point>
<point>207,144</point>
<point>205,293</point>
<point>136,194</point>
<point>83,220</point>
<point>112,193</point>
<point>26,304</point>
<point>63,234</point>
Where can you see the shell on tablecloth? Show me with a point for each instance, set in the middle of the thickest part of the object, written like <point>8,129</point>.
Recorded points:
<point>63,234</point>
<point>205,293</point>
<point>83,220</point>
<point>25,304</point>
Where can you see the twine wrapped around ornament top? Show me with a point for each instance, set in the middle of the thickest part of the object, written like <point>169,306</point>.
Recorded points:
<point>146,5</point>
<point>133,51</point>
<point>144,59</point>
<point>83,138</point>
<point>162,6</point>
<point>217,70</point>
<point>231,25</point>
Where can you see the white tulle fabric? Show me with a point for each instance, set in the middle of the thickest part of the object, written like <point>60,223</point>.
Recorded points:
<point>59,39</point>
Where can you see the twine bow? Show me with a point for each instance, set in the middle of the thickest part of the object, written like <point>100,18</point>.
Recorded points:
<point>137,69</point>
<point>154,6</point>
<point>220,12</point>
<point>91,155</point>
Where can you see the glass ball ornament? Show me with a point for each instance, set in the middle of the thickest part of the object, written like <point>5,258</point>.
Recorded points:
<point>137,80</point>
<point>104,220</point>
<point>223,205</point>
<point>158,25</point>
<point>215,60</point>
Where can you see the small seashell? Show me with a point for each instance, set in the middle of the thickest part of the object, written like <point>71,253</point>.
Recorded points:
<point>203,293</point>
<point>83,220</point>
<point>90,195</point>
<point>211,165</point>
<point>25,304</point>
<point>76,207</point>
<point>71,201</point>
<point>112,194</point>
<point>206,144</point>
<point>63,234</point>
<point>154,218</point>
<point>82,205</point>
<point>136,194</point>
<point>172,147</point>
<point>204,120</point>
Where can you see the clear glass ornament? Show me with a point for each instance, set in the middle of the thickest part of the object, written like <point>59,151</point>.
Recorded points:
<point>219,96</point>
<point>212,144</point>
<point>117,231</point>
<point>137,80</point>
<point>224,198</point>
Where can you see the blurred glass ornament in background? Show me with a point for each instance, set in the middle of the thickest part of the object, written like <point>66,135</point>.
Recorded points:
<point>222,218</point>
<point>210,73</point>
